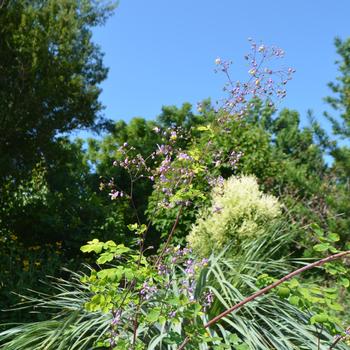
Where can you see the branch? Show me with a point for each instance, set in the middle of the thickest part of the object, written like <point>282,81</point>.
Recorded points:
<point>339,338</point>
<point>267,289</point>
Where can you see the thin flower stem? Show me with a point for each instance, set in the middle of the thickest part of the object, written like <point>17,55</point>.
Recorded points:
<point>170,235</point>
<point>132,199</point>
<point>176,222</point>
<point>267,289</point>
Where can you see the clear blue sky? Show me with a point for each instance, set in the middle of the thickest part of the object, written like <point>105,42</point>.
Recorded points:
<point>162,52</point>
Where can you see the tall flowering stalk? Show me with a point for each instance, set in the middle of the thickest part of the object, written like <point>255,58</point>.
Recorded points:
<point>142,290</point>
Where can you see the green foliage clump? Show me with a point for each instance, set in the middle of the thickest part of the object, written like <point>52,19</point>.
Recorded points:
<point>85,307</point>
<point>239,211</point>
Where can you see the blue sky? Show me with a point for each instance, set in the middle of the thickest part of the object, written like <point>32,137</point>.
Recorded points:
<point>162,52</point>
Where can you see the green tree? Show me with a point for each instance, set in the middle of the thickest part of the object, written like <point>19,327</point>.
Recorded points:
<point>341,89</point>
<point>340,171</point>
<point>50,71</point>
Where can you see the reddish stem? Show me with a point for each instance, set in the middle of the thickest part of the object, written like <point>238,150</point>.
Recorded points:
<point>267,289</point>
<point>170,235</point>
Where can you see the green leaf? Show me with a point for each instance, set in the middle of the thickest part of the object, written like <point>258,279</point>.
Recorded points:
<point>322,247</point>
<point>121,249</point>
<point>203,128</point>
<point>345,282</point>
<point>129,274</point>
<point>93,246</point>
<point>334,237</point>
<point>319,232</point>
<point>333,250</point>
<point>283,292</point>
<point>132,227</point>
<point>113,274</point>
<point>335,306</point>
<point>153,315</point>
<point>294,283</point>
<point>294,300</point>
<point>105,257</point>
<point>173,301</point>
<point>319,318</point>
<point>109,244</point>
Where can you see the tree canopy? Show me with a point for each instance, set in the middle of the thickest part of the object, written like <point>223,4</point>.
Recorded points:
<point>50,74</point>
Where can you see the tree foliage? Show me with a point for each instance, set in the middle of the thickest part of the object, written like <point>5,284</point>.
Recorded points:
<point>341,89</point>
<point>50,71</point>
<point>55,193</point>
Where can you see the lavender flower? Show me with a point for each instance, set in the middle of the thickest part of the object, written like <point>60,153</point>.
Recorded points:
<point>116,317</point>
<point>172,314</point>
<point>184,156</point>
<point>208,299</point>
<point>147,291</point>
<point>115,194</point>
<point>162,269</point>
<point>239,93</point>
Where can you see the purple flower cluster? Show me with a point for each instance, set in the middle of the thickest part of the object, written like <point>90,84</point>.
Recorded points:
<point>260,84</point>
<point>173,172</point>
<point>147,291</point>
<point>188,283</point>
<point>115,194</point>
<point>208,299</point>
<point>164,150</point>
<point>170,168</point>
<point>234,158</point>
<point>116,317</point>
<point>217,181</point>
<point>172,314</point>
<point>134,165</point>
<point>181,258</point>
<point>184,156</point>
<point>162,269</point>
